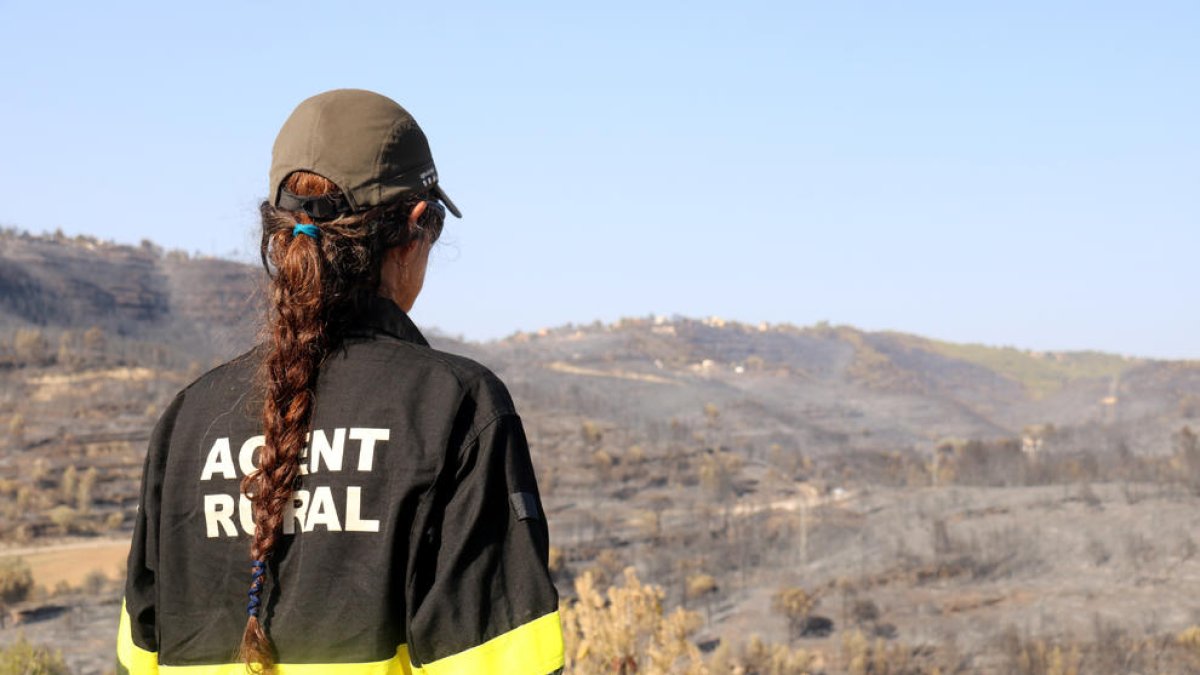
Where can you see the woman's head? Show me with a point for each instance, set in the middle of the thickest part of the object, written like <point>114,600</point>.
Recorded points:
<point>380,251</point>
<point>354,209</point>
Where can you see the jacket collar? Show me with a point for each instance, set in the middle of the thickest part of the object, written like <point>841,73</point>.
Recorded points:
<point>382,314</point>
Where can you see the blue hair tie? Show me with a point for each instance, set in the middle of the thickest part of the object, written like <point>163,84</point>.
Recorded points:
<point>304,228</point>
<point>256,584</point>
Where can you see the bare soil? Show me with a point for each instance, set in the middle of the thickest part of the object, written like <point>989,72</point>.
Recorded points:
<point>72,562</point>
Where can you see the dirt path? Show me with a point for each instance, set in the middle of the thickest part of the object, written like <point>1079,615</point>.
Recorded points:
<point>72,562</point>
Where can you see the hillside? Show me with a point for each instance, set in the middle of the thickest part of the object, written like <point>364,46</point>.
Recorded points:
<point>956,506</point>
<point>822,387</point>
<point>191,305</point>
<point>836,388</point>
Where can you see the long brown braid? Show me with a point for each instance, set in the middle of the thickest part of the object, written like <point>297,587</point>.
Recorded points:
<point>317,285</point>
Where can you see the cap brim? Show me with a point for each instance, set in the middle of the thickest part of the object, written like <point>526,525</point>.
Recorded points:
<point>445,199</point>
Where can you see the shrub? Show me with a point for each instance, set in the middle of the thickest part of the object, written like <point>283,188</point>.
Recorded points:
<point>95,582</point>
<point>795,604</point>
<point>24,658</point>
<point>114,520</point>
<point>700,585</point>
<point>83,491</point>
<point>16,580</point>
<point>762,658</point>
<point>16,429</point>
<point>864,612</point>
<point>591,433</point>
<point>625,630</point>
<point>65,518</point>
<point>68,484</point>
<point>862,656</point>
<point>30,346</point>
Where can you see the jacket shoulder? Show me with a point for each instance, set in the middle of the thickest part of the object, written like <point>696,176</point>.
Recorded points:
<point>477,394</point>
<point>479,382</point>
<point>476,384</point>
<point>237,371</point>
<point>225,388</point>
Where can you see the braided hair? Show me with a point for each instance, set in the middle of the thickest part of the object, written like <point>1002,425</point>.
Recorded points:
<point>317,286</point>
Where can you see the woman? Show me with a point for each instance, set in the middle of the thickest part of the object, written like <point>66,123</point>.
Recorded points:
<point>342,498</point>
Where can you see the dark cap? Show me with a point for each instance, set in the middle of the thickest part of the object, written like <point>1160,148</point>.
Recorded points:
<point>369,146</point>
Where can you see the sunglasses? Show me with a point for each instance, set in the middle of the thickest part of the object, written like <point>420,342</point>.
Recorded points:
<point>433,218</point>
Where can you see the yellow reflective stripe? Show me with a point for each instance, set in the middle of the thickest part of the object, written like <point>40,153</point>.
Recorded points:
<point>141,662</point>
<point>136,660</point>
<point>534,648</point>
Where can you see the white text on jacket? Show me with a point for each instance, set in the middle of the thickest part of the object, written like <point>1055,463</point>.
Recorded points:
<point>309,509</point>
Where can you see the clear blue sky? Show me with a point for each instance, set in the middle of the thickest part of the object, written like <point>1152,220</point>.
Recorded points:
<point>1018,173</point>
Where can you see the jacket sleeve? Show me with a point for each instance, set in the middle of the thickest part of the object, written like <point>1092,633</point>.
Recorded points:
<point>479,598</point>
<point>137,641</point>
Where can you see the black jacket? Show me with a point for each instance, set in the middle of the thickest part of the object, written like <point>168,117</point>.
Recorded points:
<point>416,541</point>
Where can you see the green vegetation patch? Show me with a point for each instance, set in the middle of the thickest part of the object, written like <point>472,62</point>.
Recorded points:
<point>1041,373</point>
<point>25,658</point>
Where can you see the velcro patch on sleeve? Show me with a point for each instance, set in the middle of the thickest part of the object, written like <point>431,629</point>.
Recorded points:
<point>525,504</point>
